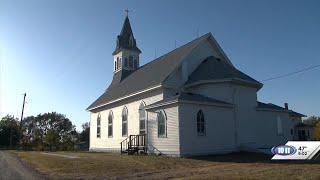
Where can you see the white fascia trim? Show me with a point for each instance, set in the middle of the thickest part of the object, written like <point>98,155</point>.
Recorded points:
<point>190,102</point>
<point>162,104</point>
<point>128,96</point>
<point>223,81</point>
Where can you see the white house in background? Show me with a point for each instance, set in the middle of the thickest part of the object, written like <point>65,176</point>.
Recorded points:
<point>190,101</point>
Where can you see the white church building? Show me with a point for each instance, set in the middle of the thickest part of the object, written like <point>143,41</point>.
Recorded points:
<point>190,101</point>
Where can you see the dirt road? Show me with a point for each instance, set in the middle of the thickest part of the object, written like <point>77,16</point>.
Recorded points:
<point>12,168</point>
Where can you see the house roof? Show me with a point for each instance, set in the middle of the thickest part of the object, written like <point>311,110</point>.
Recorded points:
<point>188,97</point>
<point>278,108</point>
<point>215,69</point>
<point>148,75</point>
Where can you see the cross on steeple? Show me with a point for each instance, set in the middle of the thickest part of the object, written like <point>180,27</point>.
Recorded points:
<point>127,12</point>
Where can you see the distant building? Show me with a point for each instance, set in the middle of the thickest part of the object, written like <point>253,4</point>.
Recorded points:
<point>190,101</point>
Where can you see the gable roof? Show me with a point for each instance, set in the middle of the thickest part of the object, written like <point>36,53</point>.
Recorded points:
<point>215,69</point>
<point>148,75</point>
<point>271,106</point>
<point>188,97</point>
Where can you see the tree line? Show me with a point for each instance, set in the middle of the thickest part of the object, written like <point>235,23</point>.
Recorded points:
<point>44,132</point>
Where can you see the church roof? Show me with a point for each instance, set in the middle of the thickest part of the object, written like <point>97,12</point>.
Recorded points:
<point>126,39</point>
<point>188,97</point>
<point>148,75</point>
<point>215,69</point>
<point>271,106</point>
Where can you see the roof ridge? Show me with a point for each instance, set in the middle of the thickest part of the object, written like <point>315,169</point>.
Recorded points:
<point>207,34</point>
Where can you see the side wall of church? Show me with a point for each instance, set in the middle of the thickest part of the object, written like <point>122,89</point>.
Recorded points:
<point>105,143</point>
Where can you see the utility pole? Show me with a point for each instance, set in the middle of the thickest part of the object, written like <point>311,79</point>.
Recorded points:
<point>24,101</point>
<point>11,129</point>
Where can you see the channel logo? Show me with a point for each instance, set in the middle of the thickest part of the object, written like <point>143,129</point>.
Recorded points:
<point>283,150</point>
<point>297,150</point>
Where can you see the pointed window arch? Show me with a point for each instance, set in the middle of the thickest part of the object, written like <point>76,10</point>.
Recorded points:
<point>118,63</point>
<point>131,61</point>
<point>124,121</point>
<point>162,124</point>
<point>99,126</point>
<point>142,118</point>
<point>110,124</point>
<point>201,129</point>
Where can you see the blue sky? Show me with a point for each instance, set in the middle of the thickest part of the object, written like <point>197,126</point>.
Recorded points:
<point>59,52</point>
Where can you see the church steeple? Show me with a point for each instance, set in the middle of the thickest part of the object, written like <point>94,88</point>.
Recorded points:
<point>126,53</point>
<point>126,39</point>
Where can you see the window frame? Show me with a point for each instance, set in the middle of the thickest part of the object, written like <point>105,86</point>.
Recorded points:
<point>124,121</point>
<point>144,118</point>
<point>98,126</point>
<point>201,123</point>
<point>131,62</point>
<point>165,134</point>
<point>110,116</point>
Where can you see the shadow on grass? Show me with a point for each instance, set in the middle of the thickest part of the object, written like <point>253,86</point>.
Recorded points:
<point>248,157</point>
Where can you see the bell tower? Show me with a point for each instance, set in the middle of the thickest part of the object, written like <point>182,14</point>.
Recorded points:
<point>126,53</point>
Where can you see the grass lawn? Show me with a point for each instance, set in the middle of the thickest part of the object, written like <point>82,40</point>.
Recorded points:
<point>87,165</point>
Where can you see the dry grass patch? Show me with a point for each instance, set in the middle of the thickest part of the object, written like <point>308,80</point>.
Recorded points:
<point>113,166</point>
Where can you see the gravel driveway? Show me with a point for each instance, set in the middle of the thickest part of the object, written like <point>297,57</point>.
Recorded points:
<point>11,168</point>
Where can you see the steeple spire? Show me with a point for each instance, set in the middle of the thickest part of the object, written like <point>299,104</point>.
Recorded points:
<point>126,39</point>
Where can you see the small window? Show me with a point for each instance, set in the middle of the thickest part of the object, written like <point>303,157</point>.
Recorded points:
<point>136,64</point>
<point>200,123</point>
<point>115,65</point>
<point>99,126</point>
<point>118,63</point>
<point>131,61</point>
<point>110,124</point>
<point>162,124</point>
<point>125,122</point>
<point>279,126</point>
<point>126,62</point>
<point>142,118</point>
<point>291,131</point>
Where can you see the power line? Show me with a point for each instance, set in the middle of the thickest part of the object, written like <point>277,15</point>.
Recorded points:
<point>292,73</point>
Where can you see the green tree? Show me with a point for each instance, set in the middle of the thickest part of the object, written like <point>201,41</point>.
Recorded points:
<point>48,131</point>
<point>9,132</point>
<point>85,133</point>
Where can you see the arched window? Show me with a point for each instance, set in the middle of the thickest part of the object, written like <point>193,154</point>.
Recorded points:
<point>118,63</point>
<point>136,63</point>
<point>200,124</point>
<point>142,118</point>
<point>115,65</point>
<point>99,126</point>
<point>124,121</point>
<point>110,124</point>
<point>162,124</point>
<point>131,61</point>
